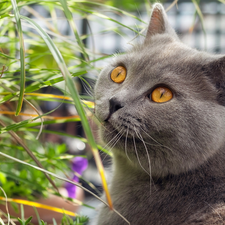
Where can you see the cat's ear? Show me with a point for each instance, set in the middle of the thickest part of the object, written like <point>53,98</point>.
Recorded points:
<point>159,23</point>
<point>215,70</point>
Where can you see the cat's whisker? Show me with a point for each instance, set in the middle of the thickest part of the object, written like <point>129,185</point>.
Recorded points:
<point>115,142</point>
<point>126,144</point>
<point>136,152</point>
<point>87,88</point>
<point>146,149</point>
<point>113,139</point>
<point>148,156</point>
<point>111,131</point>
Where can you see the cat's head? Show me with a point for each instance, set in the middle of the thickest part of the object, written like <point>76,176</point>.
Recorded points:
<point>163,102</point>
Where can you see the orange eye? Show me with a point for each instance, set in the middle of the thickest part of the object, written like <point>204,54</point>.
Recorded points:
<point>118,75</point>
<point>162,94</point>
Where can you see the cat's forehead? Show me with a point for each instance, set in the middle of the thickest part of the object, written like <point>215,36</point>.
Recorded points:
<point>165,61</point>
<point>161,57</point>
<point>158,52</point>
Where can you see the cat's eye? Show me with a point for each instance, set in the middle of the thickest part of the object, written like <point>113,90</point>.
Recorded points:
<point>161,94</point>
<point>118,75</point>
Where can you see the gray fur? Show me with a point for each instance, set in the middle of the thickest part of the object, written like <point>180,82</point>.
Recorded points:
<point>180,144</point>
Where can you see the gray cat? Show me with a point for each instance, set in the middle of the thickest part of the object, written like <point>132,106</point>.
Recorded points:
<point>163,104</point>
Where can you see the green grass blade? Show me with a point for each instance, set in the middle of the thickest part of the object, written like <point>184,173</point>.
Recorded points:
<point>6,56</point>
<point>108,18</point>
<point>22,56</point>
<point>75,96</point>
<point>22,214</point>
<point>107,6</point>
<point>36,86</point>
<point>7,98</point>
<point>69,17</point>
<point>37,215</point>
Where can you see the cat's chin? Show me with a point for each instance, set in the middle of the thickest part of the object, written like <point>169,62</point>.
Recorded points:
<point>144,154</point>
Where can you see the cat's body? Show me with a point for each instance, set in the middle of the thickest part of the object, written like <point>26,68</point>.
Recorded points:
<point>193,198</point>
<point>169,157</point>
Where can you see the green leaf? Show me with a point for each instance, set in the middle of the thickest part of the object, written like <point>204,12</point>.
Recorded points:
<point>22,56</point>
<point>15,206</point>
<point>43,223</point>
<point>4,55</point>
<point>109,18</point>
<point>117,10</point>
<point>2,178</point>
<point>28,220</point>
<point>37,215</point>
<point>69,17</point>
<point>69,81</point>
<point>21,222</point>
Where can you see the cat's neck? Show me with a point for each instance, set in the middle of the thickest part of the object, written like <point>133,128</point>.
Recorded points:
<point>173,196</point>
<point>125,173</point>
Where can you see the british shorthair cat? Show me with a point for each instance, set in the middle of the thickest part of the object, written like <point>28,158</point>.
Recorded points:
<point>163,103</point>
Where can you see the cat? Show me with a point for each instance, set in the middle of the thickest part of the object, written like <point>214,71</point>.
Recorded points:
<point>162,105</point>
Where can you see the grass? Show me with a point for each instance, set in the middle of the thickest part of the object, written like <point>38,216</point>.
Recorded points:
<point>34,57</point>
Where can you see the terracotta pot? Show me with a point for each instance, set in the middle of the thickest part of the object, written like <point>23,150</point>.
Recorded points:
<point>47,215</point>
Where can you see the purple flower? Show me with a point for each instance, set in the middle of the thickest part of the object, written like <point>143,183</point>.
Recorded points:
<point>79,164</point>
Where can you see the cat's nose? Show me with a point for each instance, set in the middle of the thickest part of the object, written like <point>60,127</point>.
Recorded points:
<point>114,105</point>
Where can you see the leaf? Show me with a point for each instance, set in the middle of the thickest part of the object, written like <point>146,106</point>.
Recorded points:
<point>22,56</point>
<point>75,96</point>
<point>2,178</point>
<point>4,55</point>
<point>28,220</point>
<point>15,206</point>
<point>43,223</point>
<point>21,222</point>
<point>30,153</point>
<point>108,18</point>
<point>69,17</point>
<point>37,215</point>
<point>109,7</point>
<point>63,179</point>
<point>22,212</point>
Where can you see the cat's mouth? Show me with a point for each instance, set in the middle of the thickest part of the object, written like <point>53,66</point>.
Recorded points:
<point>127,127</point>
<point>119,135</point>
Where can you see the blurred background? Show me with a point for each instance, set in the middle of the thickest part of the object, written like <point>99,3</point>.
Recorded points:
<point>199,24</point>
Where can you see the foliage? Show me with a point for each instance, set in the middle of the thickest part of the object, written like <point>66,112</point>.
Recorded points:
<point>16,180</point>
<point>40,63</point>
<point>78,221</point>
